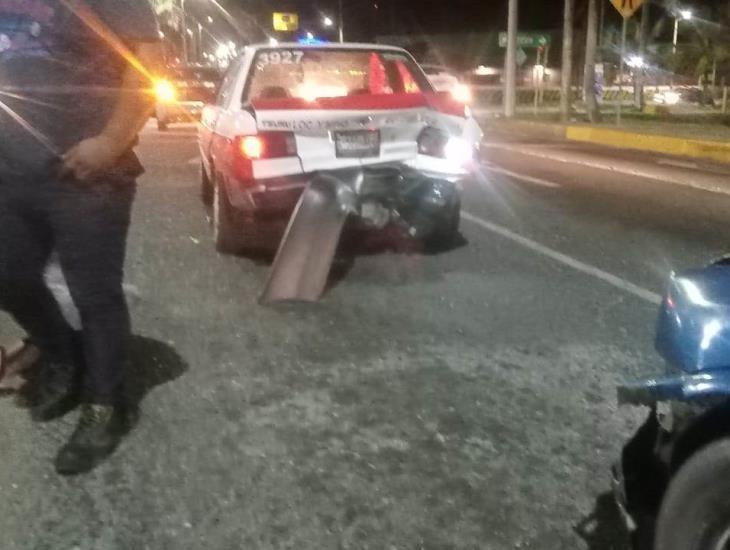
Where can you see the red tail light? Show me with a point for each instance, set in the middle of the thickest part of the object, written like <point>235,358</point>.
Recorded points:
<point>265,145</point>
<point>252,147</point>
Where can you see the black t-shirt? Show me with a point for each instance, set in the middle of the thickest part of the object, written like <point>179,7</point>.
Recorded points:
<point>61,74</point>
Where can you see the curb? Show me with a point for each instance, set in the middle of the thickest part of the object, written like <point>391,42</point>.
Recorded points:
<point>712,150</point>
<point>693,148</point>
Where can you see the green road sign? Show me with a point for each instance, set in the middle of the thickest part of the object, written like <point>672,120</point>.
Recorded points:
<point>526,39</point>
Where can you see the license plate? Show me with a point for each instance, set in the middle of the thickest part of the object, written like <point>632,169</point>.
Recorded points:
<point>357,144</point>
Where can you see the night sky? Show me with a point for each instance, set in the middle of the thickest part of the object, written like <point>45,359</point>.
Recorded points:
<point>366,18</point>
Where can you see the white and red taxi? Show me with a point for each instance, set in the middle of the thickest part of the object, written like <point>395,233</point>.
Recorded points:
<point>287,112</point>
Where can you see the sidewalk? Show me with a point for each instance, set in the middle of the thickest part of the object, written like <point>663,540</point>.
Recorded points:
<point>693,139</point>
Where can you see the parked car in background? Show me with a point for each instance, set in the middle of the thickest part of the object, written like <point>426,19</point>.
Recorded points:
<point>183,92</point>
<point>446,80</point>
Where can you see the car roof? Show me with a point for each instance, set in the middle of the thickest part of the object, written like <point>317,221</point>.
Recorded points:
<point>324,46</point>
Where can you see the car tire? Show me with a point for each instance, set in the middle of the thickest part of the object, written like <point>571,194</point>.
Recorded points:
<point>206,187</point>
<point>695,512</point>
<point>161,125</point>
<point>236,233</point>
<point>228,231</point>
<point>446,233</point>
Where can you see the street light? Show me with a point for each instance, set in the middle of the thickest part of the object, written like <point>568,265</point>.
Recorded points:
<point>686,15</point>
<point>327,21</point>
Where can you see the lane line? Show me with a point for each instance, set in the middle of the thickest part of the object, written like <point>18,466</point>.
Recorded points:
<point>678,163</point>
<point>645,173</point>
<point>529,179</point>
<point>566,260</point>
<point>195,160</point>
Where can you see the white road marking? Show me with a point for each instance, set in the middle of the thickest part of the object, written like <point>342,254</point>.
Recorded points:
<point>618,167</point>
<point>564,259</point>
<point>678,163</point>
<point>530,179</point>
<point>194,161</point>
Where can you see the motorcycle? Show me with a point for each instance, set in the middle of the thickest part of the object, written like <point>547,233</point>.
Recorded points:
<point>672,481</point>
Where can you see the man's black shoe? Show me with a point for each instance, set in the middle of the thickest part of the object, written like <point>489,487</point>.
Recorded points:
<point>56,392</point>
<point>97,435</point>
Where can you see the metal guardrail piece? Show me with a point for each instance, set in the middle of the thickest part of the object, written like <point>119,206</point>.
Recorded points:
<point>302,265</point>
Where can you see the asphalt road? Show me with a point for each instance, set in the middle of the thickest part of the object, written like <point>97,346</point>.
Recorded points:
<point>463,400</point>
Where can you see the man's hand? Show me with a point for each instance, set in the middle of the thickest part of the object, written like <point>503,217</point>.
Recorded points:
<point>133,107</point>
<point>90,157</point>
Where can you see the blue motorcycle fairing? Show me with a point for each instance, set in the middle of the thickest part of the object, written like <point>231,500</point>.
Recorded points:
<point>685,387</point>
<point>693,330</point>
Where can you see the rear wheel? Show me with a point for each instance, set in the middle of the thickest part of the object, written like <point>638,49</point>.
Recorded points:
<point>206,187</point>
<point>227,223</point>
<point>236,233</point>
<point>695,512</point>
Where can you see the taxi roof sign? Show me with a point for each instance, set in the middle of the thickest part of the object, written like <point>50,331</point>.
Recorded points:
<point>627,8</point>
<point>286,22</point>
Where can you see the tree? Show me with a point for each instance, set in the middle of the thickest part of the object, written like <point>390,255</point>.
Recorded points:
<point>589,72</point>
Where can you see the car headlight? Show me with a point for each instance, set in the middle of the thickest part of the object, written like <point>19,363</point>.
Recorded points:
<point>165,92</point>
<point>671,98</point>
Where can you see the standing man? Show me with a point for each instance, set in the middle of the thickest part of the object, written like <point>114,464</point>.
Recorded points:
<point>74,81</point>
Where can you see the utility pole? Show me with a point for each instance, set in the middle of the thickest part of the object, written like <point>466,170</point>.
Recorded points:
<point>639,71</point>
<point>589,71</point>
<point>566,95</point>
<point>184,32</point>
<point>510,63</point>
<point>199,43</point>
<point>341,23</point>
<point>601,25</point>
<point>621,71</point>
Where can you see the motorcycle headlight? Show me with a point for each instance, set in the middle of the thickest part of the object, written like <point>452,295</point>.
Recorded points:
<point>459,151</point>
<point>435,143</point>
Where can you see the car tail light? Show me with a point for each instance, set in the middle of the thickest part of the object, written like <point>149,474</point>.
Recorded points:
<point>252,147</point>
<point>462,93</point>
<point>262,146</point>
<point>267,145</point>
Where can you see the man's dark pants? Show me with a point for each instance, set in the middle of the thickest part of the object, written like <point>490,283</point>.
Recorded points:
<point>86,225</point>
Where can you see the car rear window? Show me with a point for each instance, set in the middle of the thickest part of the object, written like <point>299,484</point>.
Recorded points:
<point>313,73</point>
